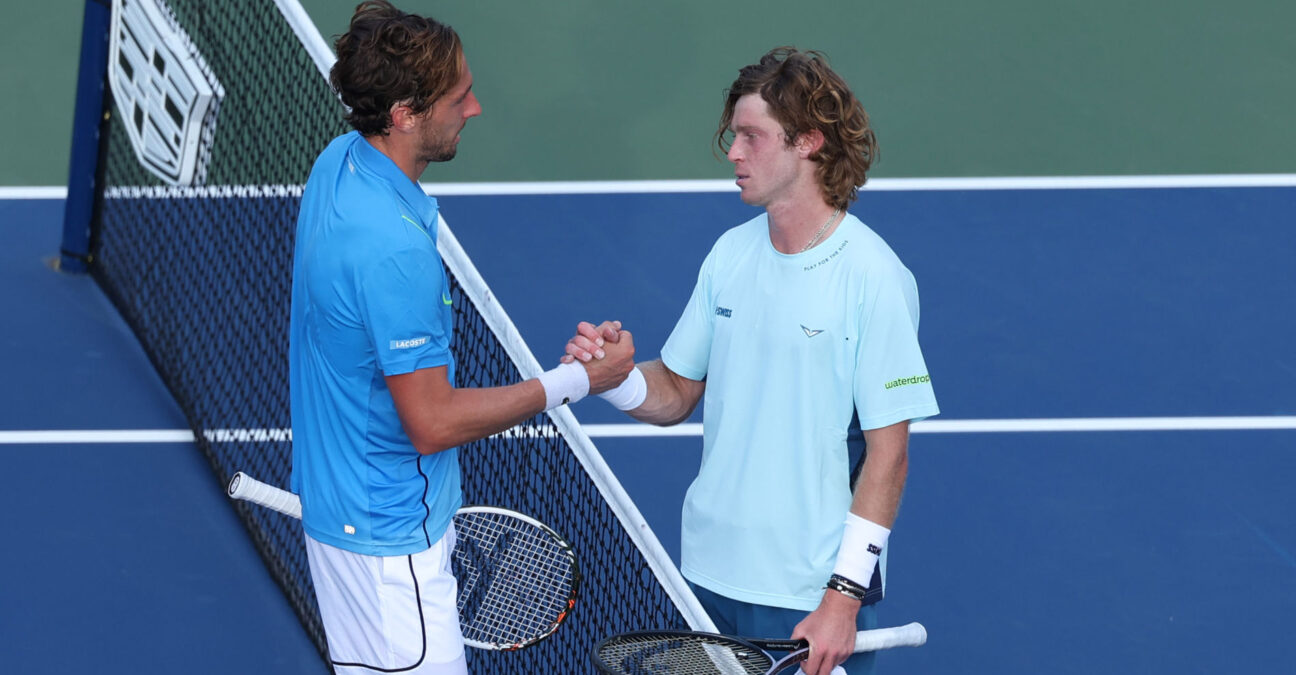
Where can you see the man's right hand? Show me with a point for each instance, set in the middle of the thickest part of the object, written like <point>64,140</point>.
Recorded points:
<point>589,341</point>
<point>607,365</point>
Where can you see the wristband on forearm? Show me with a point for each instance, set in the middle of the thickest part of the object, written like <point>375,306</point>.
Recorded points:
<point>568,383</point>
<point>862,543</point>
<point>630,394</point>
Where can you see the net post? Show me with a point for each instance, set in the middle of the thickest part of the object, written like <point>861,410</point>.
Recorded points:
<point>78,210</point>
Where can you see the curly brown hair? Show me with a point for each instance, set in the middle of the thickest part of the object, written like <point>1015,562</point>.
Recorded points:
<point>387,57</point>
<point>805,94</point>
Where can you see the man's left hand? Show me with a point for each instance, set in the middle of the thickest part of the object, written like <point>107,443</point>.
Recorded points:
<point>830,630</point>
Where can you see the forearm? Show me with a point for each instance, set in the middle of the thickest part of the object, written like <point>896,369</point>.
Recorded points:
<point>472,414</point>
<point>877,499</point>
<point>873,511</point>
<point>670,398</point>
<point>453,417</point>
<point>882,479</point>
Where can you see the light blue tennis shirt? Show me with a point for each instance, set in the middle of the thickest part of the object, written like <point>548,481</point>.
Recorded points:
<point>370,298</point>
<point>791,346</point>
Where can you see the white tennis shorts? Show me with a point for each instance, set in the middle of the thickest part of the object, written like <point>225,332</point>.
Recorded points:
<point>389,613</point>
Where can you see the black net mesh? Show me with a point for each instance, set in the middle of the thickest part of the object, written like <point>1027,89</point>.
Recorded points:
<point>203,275</point>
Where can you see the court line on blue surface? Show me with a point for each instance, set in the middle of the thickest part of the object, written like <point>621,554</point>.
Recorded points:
<point>727,185</point>
<point>874,185</point>
<point>1072,424</point>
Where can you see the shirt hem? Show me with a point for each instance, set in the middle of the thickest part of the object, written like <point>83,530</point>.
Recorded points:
<point>676,367</point>
<point>766,599</point>
<point>912,414</point>
<point>363,548</point>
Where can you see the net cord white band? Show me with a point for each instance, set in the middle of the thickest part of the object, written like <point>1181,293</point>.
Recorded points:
<point>308,33</point>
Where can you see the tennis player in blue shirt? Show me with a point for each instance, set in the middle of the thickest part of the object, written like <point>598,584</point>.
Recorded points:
<point>376,414</point>
<point>802,328</point>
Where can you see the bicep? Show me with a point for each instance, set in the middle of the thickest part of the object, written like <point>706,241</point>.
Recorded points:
<point>416,395</point>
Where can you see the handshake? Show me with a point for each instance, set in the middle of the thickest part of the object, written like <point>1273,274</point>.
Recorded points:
<point>604,355</point>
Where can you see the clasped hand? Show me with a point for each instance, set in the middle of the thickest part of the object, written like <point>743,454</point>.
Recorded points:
<point>606,351</point>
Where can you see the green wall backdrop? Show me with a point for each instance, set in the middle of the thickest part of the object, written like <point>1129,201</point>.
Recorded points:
<point>586,90</point>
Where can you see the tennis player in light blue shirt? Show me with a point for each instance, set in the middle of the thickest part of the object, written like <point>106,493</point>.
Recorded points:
<point>791,346</point>
<point>802,328</point>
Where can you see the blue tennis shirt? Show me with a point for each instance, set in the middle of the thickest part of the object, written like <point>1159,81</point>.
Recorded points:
<point>370,298</point>
<point>792,347</point>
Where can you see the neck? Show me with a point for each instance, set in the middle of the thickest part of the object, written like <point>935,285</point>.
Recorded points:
<point>793,226</point>
<point>401,154</point>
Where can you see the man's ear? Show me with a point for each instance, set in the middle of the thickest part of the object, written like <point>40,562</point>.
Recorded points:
<point>402,117</point>
<point>809,143</point>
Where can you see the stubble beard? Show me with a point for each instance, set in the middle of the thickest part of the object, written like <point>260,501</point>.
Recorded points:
<point>440,152</point>
<point>438,149</point>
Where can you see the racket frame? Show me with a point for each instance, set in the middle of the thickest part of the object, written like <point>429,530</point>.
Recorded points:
<point>744,650</point>
<point>568,555</point>
<point>909,635</point>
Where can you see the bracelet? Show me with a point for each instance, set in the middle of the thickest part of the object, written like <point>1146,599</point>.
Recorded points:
<point>846,587</point>
<point>630,394</point>
<point>568,383</point>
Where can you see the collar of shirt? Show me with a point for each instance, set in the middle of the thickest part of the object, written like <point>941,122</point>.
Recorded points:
<point>374,161</point>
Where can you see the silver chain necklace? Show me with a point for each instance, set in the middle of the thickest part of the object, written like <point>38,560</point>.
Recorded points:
<point>821,231</point>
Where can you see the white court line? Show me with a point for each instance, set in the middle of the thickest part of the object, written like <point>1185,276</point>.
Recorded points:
<point>98,436</point>
<point>648,431</point>
<point>1005,426</point>
<point>874,185</point>
<point>37,192</point>
<point>1106,424</point>
<point>727,185</point>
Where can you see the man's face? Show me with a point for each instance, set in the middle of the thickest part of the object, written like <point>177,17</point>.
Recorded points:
<point>440,125</point>
<point>765,165</point>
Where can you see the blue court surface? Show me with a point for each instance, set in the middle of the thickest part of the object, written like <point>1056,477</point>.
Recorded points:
<point>1106,490</point>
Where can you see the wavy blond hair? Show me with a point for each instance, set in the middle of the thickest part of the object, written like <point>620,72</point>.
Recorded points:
<point>804,94</point>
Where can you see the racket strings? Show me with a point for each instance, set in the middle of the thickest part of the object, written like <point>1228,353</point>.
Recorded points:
<point>696,655</point>
<point>516,580</point>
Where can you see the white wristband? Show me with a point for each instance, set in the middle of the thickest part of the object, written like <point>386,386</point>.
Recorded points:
<point>568,383</point>
<point>630,394</point>
<point>862,543</point>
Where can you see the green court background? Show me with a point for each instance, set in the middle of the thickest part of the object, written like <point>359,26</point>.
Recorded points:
<point>613,89</point>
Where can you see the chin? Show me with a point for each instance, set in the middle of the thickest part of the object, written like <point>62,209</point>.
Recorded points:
<point>444,156</point>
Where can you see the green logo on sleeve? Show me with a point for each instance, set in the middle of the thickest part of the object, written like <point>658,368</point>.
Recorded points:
<point>916,379</point>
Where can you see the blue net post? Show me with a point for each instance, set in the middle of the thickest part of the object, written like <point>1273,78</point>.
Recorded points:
<point>83,167</point>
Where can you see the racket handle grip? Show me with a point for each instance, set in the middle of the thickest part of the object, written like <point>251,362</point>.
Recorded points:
<point>243,486</point>
<point>908,635</point>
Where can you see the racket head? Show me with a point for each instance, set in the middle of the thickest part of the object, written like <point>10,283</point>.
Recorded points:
<point>517,578</point>
<point>661,651</point>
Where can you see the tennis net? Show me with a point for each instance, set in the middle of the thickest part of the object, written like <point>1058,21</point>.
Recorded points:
<point>192,235</point>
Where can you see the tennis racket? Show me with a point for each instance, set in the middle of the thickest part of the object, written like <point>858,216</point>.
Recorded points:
<point>517,578</point>
<point>685,652</point>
